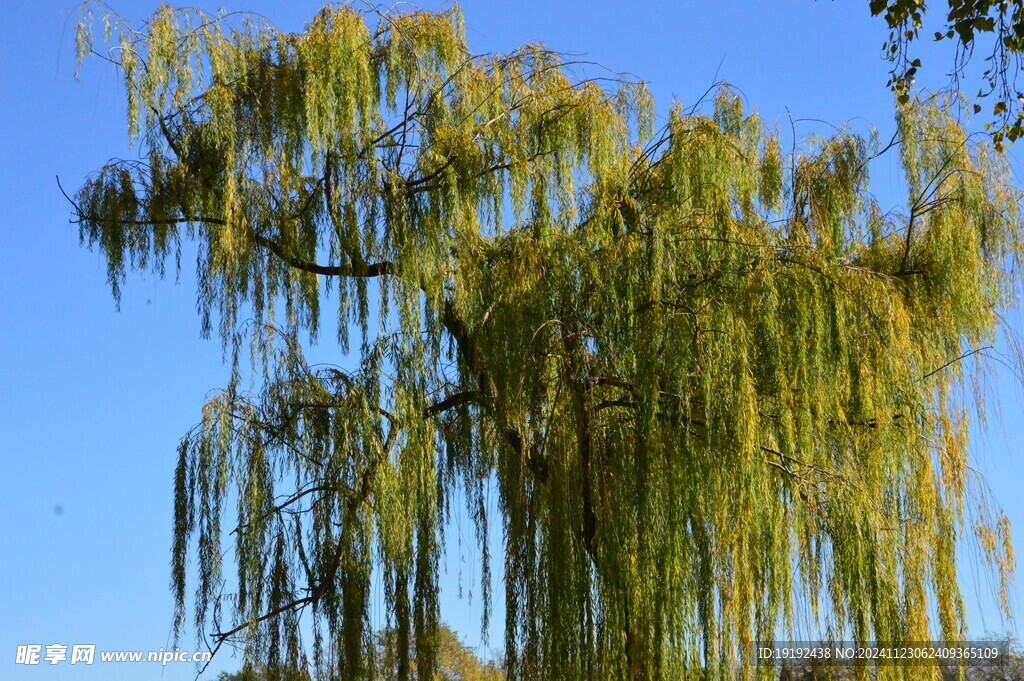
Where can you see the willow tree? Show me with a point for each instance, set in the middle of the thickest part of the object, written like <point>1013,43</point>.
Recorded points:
<point>716,388</point>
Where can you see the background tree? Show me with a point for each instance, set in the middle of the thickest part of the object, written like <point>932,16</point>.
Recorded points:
<point>455,662</point>
<point>714,384</point>
<point>263,673</point>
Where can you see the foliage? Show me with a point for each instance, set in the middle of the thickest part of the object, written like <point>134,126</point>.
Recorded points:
<point>966,21</point>
<point>264,673</point>
<point>455,662</point>
<point>716,387</point>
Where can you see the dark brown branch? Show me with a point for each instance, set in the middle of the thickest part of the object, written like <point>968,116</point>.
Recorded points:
<point>167,135</point>
<point>811,467</point>
<point>356,269</point>
<point>616,382</point>
<point>572,371</point>
<point>427,178</point>
<point>608,404</point>
<point>222,636</point>
<point>436,408</point>
<point>284,504</point>
<point>955,360</point>
<point>419,185</point>
<point>450,401</point>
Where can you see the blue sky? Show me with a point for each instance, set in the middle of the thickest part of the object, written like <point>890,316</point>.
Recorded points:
<point>93,401</point>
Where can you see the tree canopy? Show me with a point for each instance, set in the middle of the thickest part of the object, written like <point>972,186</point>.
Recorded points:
<point>717,389</point>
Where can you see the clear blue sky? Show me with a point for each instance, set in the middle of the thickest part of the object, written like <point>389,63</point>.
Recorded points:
<point>93,401</point>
